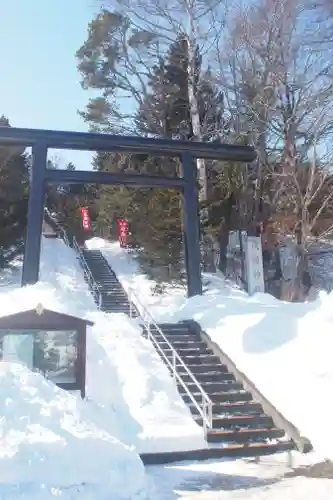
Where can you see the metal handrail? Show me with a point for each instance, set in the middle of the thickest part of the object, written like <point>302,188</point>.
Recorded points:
<point>206,407</point>
<point>64,236</point>
<point>91,281</point>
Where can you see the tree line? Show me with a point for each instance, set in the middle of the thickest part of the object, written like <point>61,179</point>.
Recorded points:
<point>259,74</point>
<point>205,70</point>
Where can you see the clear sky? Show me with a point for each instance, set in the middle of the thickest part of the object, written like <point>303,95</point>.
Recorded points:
<point>39,82</point>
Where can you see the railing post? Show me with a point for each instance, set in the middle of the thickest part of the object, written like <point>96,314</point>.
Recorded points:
<point>210,414</point>
<point>174,363</point>
<point>204,411</point>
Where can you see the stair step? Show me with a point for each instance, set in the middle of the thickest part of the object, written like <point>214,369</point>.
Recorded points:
<point>200,351</point>
<point>118,308</point>
<point>216,398</point>
<point>173,328</point>
<point>112,302</point>
<point>112,294</point>
<point>114,298</point>
<point>231,450</point>
<point>207,368</point>
<point>213,387</point>
<point>198,359</point>
<point>224,406</point>
<point>107,289</point>
<point>181,345</point>
<point>177,338</point>
<point>207,377</point>
<point>243,435</point>
<point>106,282</point>
<point>235,421</point>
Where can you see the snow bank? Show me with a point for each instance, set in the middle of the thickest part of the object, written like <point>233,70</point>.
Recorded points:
<point>163,421</point>
<point>50,445</point>
<point>285,349</point>
<point>128,386</point>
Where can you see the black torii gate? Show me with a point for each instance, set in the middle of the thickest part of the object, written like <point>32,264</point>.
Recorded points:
<point>41,140</point>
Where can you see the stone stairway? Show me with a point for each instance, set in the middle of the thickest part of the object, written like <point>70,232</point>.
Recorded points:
<point>114,297</point>
<point>240,425</point>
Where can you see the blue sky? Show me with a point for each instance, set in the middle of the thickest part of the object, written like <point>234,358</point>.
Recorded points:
<point>39,82</point>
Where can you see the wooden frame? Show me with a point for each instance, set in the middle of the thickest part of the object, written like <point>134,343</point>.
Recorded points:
<point>36,320</point>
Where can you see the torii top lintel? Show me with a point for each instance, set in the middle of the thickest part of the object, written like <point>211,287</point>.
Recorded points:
<point>87,141</point>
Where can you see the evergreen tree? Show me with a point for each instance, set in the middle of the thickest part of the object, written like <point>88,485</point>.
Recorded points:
<point>66,201</point>
<point>14,175</point>
<point>163,111</point>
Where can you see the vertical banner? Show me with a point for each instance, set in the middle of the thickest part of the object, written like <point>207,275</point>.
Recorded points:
<point>86,222</point>
<point>122,232</point>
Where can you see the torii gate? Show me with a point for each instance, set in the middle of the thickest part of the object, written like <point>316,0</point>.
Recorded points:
<point>41,140</point>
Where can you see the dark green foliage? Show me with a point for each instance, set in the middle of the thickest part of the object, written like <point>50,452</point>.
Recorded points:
<point>14,176</point>
<point>163,111</point>
<point>66,202</point>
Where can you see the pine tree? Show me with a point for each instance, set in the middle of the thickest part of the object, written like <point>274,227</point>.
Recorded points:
<point>14,175</point>
<point>164,111</point>
<point>66,201</point>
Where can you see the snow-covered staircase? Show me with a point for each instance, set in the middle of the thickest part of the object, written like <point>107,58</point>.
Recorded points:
<point>239,426</point>
<point>113,297</point>
<point>239,423</point>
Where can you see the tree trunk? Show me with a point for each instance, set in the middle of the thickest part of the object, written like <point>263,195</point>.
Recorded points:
<point>193,104</point>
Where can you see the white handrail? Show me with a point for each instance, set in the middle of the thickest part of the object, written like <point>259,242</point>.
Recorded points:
<point>64,236</point>
<point>91,281</point>
<point>206,407</point>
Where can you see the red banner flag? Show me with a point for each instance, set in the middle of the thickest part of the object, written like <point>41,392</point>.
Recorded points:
<point>123,230</point>
<point>86,222</point>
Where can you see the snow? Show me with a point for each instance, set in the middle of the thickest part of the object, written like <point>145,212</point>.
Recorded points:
<point>134,281</point>
<point>54,445</point>
<point>50,445</point>
<point>270,479</point>
<point>285,349</point>
<point>132,404</point>
<point>162,421</point>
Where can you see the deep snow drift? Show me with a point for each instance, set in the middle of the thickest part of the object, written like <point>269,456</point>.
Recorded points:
<point>131,399</point>
<point>50,443</point>
<point>162,422</point>
<point>285,349</point>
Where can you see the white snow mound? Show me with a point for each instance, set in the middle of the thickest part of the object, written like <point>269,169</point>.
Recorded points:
<point>49,435</point>
<point>160,421</point>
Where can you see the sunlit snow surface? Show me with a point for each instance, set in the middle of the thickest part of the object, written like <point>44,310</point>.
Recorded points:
<point>285,349</point>
<point>50,438</point>
<point>55,446</point>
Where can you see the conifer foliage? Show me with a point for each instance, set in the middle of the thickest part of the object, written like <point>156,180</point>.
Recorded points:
<point>14,176</point>
<point>163,112</point>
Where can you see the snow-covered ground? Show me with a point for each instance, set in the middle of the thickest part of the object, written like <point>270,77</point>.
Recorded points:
<point>285,349</point>
<point>271,479</point>
<point>132,403</point>
<point>53,445</point>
